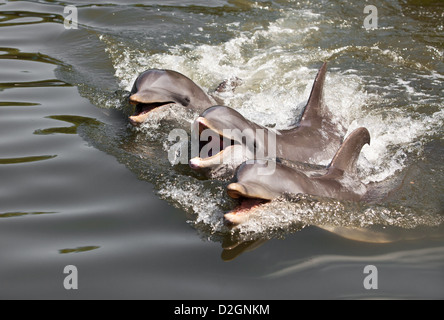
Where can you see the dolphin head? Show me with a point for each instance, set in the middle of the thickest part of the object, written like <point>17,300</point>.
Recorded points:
<point>253,188</point>
<point>156,88</point>
<point>226,139</point>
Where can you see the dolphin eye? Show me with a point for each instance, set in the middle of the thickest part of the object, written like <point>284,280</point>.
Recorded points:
<point>183,100</point>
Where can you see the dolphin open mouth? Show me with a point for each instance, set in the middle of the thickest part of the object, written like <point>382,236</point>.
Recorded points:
<point>210,150</point>
<point>242,213</point>
<point>248,204</point>
<point>143,109</point>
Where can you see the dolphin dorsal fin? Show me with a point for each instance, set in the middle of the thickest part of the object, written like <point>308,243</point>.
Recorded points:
<point>313,109</point>
<point>348,154</point>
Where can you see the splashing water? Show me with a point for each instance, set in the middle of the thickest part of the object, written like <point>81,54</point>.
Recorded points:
<point>277,66</point>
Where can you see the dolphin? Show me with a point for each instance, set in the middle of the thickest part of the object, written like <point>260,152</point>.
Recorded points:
<point>314,139</point>
<point>339,180</point>
<point>157,88</point>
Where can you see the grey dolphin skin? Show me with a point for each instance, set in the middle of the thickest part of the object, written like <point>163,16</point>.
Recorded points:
<point>157,88</point>
<point>339,180</point>
<point>315,138</point>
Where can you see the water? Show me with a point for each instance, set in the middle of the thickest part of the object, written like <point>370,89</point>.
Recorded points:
<point>79,186</point>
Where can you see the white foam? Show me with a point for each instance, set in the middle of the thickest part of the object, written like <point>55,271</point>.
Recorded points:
<point>204,203</point>
<point>393,138</point>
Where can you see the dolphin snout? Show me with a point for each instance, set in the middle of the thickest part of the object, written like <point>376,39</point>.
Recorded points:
<point>134,99</point>
<point>134,121</point>
<point>236,190</point>
<point>194,163</point>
